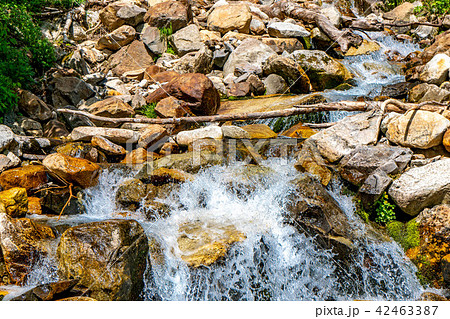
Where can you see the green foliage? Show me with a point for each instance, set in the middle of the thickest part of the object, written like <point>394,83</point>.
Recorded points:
<point>384,210</point>
<point>407,235</point>
<point>149,110</point>
<point>438,7</point>
<point>165,34</point>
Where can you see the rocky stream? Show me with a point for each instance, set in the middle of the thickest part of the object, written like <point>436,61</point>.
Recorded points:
<point>100,201</point>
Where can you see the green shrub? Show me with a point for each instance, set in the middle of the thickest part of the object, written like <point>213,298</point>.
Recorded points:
<point>438,7</point>
<point>384,210</point>
<point>24,52</point>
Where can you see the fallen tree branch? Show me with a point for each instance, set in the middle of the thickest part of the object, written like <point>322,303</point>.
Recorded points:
<point>390,105</point>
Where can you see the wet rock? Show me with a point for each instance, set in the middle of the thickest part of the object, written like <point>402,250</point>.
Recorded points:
<point>323,71</point>
<point>15,202</point>
<point>251,53</point>
<point>366,47</point>
<point>433,246</point>
<point>235,132</point>
<point>74,170</point>
<point>81,150</point>
<point>190,162</point>
<point>23,244</point>
<point>299,131</point>
<point>194,88</point>
<point>187,40</point>
<point>364,160</point>
<point>47,292</point>
<point>445,265</point>
<point>340,139</point>
<point>259,131</point>
<point>111,107</point>
<point>291,72</point>
<point>309,160</point>
<point>33,106</point>
<point>6,137</point>
<point>130,58</point>
<point>188,137</point>
<point>397,90</point>
<point>140,156</point>
<point>286,30</point>
<point>163,176</point>
<point>28,177</point>
<point>436,70</point>
<point>108,257</point>
<point>275,84</point>
<point>168,13</point>
<point>120,37</point>
<point>428,92</point>
<point>419,129</point>
<point>314,211</point>
<point>152,134</point>
<point>115,135</point>
<point>419,188</point>
<point>151,37</point>
<point>70,91</point>
<point>107,146</point>
<point>130,193</point>
<point>240,89</point>
<point>230,17</point>
<point>60,202</point>
<point>202,244</point>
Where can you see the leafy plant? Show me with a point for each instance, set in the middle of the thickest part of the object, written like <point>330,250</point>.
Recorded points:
<point>165,34</point>
<point>438,7</point>
<point>149,110</point>
<point>384,210</point>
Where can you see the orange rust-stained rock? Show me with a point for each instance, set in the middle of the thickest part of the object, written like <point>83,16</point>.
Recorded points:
<point>29,177</point>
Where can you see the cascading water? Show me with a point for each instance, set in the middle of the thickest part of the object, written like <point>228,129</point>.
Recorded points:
<point>275,261</point>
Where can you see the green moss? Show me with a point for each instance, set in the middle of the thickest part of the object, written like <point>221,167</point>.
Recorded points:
<point>407,235</point>
<point>149,110</point>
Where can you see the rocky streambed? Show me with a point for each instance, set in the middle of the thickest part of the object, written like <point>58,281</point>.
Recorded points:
<point>353,206</point>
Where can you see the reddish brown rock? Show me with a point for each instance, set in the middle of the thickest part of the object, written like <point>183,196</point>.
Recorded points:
<point>29,177</point>
<point>110,107</point>
<point>34,206</point>
<point>446,140</point>
<point>161,77</point>
<point>74,170</point>
<point>168,13</point>
<point>441,45</point>
<point>151,134</point>
<point>140,156</point>
<point>15,202</point>
<point>195,89</point>
<point>133,57</point>
<point>172,107</point>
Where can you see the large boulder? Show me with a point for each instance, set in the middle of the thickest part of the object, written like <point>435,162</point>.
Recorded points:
<point>249,55</point>
<point>339,140</point>
<point>188,137</point>
<point>23,243</point>
<point>422,187</point>
<point>230,17</point>
<point>441,45</point>
<point>70,90</point>
<point>202,244</point>
<point>130,193</point>
<point>28,177</point>
<point>275,84</point>
<point>131,14</point>
<point>115,135</point>
<point>401,13</point>
<point>364,160</point>
<point>323,71</point>
<point>436,70</point>
<point>117,39</point>
<point>194,88</point>
<point>111,19</point>
<point>108,257</point>
<point>33,106</point>
<point>290,71</point>
<point>110,107</point>
<point>428,92</point>
<point>419,129</point>
<point>190,162</point>
<point>167,14</point>
<point>73,170</point>
<point>287,30</point>
<point>81,150</point>
<point>6,137</point>
<point>133,57</point>
<point>187,40</point>
<point>15,202</point>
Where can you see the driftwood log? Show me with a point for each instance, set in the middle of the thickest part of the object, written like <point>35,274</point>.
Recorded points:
<point>390,105</point>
